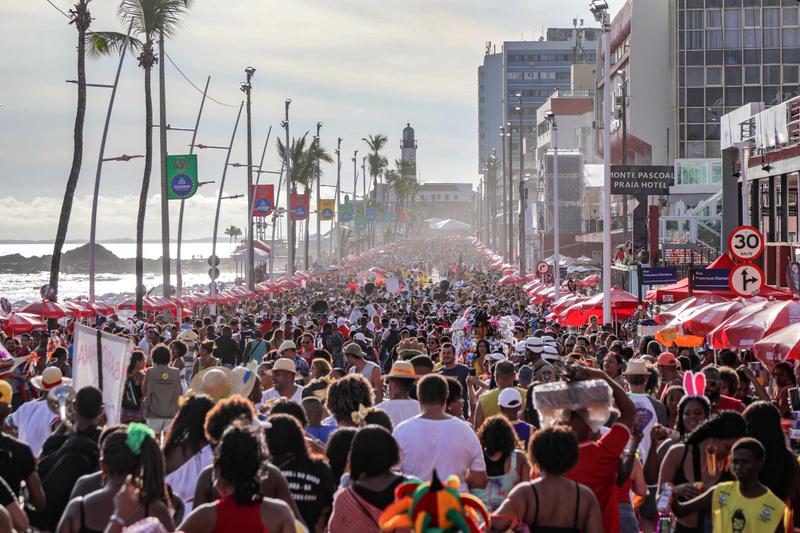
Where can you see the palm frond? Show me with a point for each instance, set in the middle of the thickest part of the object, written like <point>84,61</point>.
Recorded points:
<point>151,16</point>
<point>107,43</point>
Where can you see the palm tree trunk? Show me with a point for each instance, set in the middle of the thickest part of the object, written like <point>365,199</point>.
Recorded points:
<point>82,19</point>
<point>148,165</point>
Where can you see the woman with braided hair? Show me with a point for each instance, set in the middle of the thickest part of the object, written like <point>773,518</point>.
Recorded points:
<point>127,451</point>
<point>238,468</point>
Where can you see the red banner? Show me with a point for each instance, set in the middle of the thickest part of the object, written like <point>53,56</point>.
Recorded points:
<point>264,201</point>
<point>401,217</point>
<point>299,206</point>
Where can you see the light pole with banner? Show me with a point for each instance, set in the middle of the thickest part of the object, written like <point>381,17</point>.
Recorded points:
<point>319,222</point>
<point>247,88</point>
<point>522,201</point>
<point>337,222</point>
<point>550,117</point>
<point>599,9</point>
<point>287,156</point>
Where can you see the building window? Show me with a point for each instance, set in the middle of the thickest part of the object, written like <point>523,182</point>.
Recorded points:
<point>791,37</point>
<point>790,16</point>
<point>692,173</point>
<point>694,77</point>
<point>713,76</point>
<point>772,17</point>
<point>733,18</point>
<point>714,18</point>
<point>455,197</point>
<point>446,197</point>
<point>694,20</point>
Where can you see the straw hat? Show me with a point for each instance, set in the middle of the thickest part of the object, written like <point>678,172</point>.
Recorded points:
<point>188,335</point>
<point>287,345</point>
<point>403,370</point>
<point>218,382</point>
<point>284,363</point>
<point>636,367</point>
<point>50,378</point>
<point>248,376</point>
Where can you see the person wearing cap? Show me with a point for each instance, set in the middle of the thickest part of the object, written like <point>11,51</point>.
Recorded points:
<point>34,420</point>
<point>543,371</point>
<point>284,374</point>
<point>511,402</point>
<point>668,369</point>
<point>23,466</point>
<point>365,344</point>
<point>488,403</point>
<point>400,407</point>
<point>288,350</point>
<point>356,358</point>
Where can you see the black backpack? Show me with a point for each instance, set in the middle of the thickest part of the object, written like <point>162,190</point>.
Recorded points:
<point>63,460</point>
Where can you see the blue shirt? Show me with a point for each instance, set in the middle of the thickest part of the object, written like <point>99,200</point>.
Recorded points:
<point>321,434</point>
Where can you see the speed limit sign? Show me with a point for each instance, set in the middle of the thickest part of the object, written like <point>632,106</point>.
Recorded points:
<point>542,268</point>
<point>746,243</point>
<point>746,280</point>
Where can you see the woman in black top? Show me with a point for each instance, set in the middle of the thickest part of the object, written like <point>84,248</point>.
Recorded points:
<point>781,473</point>
<point>552,503</point>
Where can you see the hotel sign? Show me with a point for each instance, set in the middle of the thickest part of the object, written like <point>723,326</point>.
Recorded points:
<point>642,180</point>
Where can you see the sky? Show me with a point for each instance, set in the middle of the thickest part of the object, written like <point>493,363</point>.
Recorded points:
<point>358,67</point>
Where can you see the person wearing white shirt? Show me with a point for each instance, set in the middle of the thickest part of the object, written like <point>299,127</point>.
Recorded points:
<point>401,380</point>
<point>283,385</point>
<point>437,441</point>
<point>34,419</point>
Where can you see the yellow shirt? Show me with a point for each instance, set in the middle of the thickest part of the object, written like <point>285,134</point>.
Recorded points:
<point>734,513</point>
<point>489,400</point>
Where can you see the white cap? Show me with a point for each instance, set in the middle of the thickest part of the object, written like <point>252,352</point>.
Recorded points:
<point>534,344</point>
<point>549,341</point>
<point>393,322</point>
<point>360,337</point>
<point>496,356</point>
<point>340,322</point>
<point>550,353</point>
<point>520,348</point>
<point>510,398</point>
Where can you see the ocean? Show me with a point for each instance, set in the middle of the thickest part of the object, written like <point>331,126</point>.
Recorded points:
<point>113,288</point>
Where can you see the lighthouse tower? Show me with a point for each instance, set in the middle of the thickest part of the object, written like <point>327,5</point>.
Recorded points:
<point>409,146</point>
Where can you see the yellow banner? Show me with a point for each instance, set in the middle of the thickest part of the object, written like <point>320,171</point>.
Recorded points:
<point>326,209</point>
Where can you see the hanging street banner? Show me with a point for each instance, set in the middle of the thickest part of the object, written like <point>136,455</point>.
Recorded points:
<point>387,218</point>
<point>642,180</point>
<point>326,209</point>
<point>263,198</point>
<point>299,206</point>
<point>361,222</point>
<point>401,217</point>
<point>370,214</point>
<point>345,212</point>
<point>181,176</point>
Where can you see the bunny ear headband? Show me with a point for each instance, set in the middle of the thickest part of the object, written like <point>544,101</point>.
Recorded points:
<point>694,384</point>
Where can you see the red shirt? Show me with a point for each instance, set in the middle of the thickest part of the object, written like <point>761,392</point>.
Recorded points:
<point>728,404</point>
<point>597,469</point>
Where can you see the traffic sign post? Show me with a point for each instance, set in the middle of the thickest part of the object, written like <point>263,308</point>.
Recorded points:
<point>745,243</point>
<point>746,280</point>
<point>542,268</point>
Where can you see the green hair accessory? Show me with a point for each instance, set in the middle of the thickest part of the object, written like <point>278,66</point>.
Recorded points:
<point>136,434</point>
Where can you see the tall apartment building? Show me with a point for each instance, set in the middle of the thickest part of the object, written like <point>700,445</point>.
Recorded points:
<point>532,69</point>
<point>727,53</point>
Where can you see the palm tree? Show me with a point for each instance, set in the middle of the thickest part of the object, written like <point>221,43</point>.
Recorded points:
<point>377,162</point>
<point>304,172</point>
<point>151,19</point>
<point>403,183</point>
<point>232,232</point>
<point>492,167</point>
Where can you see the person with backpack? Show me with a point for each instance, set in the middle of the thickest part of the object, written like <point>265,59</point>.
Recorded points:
<point>17,462</point>
<point>335,343</point>
<point>256,349</point>
<point>67,455</point>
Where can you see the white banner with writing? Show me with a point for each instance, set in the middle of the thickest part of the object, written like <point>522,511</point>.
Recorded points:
<point>116,355</point>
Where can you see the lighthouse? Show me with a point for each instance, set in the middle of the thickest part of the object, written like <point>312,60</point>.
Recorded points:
<point>409,146</point>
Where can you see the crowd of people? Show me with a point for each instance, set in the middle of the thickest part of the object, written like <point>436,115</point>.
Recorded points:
<point>314,409</point>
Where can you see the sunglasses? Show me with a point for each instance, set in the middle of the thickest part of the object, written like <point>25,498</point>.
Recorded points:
<point>712,383</point>
<point>570,346</point>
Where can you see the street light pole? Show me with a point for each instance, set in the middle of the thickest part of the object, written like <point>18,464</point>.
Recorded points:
<point>93,227</point>
<point>337,222</point>
<point>251,278</point>
<point>162,136</point>
<point>521,193</point>
<point>355,184</point>
<point>319,223</point>
<point>625,235</point>
<point>287,157</point>
<point>551,118</point>
<point>599,9</point>
<point>506,247</point>
<point>216,218</point>
<point>364,188</point>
